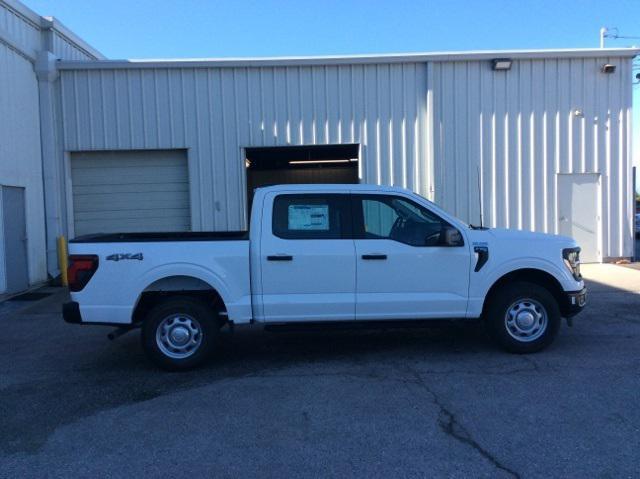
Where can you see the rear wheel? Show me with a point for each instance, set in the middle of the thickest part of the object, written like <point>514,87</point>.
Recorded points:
<point>523,317</point>
<point>179,333</point>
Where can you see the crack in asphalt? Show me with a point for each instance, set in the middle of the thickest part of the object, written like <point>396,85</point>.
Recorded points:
<point>450,425</point>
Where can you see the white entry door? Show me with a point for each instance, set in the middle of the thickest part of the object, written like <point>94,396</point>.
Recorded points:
<point>15,238</point>
<point>579,212</point>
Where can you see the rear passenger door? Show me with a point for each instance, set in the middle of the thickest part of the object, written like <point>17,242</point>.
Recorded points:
<point>307,258</point>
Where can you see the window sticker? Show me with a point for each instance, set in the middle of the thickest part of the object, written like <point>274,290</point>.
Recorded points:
<point>309,217</point>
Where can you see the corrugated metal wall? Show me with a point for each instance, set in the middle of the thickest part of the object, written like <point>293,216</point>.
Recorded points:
<point>520,128</point>
<point>19,29</point>
<point>433,127</point>
<point>66,49</point>
<point>215,112</point>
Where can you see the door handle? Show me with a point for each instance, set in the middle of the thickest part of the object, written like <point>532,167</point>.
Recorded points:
<point>280,257</point>
<point>374,256</point>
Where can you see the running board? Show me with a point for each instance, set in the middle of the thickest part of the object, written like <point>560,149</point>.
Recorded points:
<point>355,325</point>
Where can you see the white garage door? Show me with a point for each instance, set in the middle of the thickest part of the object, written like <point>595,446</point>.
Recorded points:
<point>130,191</point>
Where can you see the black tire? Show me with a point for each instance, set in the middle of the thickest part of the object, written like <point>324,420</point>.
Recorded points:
<point>522,299</point>
<point>177,317</point>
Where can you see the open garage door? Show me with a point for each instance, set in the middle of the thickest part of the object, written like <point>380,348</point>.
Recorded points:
<point>130,191</point>
<point>317,164</point>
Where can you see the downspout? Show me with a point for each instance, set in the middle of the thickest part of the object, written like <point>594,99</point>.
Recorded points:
<point>47,73</point>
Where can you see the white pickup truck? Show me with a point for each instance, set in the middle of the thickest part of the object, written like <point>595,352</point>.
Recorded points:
<point>325,254</point>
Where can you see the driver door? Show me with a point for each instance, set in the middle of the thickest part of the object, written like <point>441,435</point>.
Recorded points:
<point>402,269</point>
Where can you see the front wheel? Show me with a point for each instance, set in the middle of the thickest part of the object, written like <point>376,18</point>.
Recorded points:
<point>523,317</point>
<point>179,333</point>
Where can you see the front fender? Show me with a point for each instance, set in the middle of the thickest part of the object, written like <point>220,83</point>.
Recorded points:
<point>479,286</point>
<point>497,272</point>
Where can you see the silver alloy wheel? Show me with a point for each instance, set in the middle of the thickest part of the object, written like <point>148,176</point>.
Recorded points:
<point>526,320</point>
<point>179,336</point>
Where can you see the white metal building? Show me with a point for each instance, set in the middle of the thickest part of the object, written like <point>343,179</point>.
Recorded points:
<point>543,145</point>
<point>26,41</point>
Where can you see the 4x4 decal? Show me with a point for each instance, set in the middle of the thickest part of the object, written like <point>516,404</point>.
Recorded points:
<point>122,256</point>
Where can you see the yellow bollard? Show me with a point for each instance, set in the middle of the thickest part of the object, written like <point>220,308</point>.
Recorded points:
<point>63,260</point>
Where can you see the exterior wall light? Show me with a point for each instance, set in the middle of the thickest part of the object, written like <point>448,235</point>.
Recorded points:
<point>501,64</point>
<point>608,68</point>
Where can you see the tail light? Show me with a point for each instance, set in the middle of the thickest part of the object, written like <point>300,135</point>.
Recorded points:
<point>80,271</point>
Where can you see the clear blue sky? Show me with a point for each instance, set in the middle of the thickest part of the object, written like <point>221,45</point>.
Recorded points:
<point>199,28</point>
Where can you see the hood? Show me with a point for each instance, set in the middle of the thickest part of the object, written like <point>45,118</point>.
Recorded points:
<point>503,234</point>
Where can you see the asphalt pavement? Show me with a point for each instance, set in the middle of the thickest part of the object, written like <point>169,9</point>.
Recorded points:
<point>436,402</point>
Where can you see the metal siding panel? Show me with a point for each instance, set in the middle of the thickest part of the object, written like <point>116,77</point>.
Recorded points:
<point>21,30</point>
<point>202,146</point>
<point>280,100</point>
<point>424,130</point>
<point>240,139</point>
<point>317,104</point>
<point>223,179</point>
<point>461,113</point>
<point>486,119</point>
<point>163,110</point>
<point>137,109</point>
<point>538,166</point>
<point>306,134</point>
<point>150,108</point>
<point>473,146</point>
<point>398,167</point>
<point>523,214</point>
<point>552,143</point>
<point>235,169</point>
<point>176,79</point>
<point>501,185</point>
<point>387,158</point>
<point>409,127</point>
<point>67,50</point>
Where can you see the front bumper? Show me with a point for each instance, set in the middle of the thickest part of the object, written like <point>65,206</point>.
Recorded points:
<point>71,312</point>
<point>574,303</point>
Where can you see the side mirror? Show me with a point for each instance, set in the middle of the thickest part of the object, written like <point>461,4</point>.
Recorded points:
<point>451,237</point>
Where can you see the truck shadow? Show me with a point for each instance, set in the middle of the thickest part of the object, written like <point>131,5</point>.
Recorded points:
<point>247,344</point>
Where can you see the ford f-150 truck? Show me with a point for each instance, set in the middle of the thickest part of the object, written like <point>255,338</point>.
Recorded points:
<point>325,254</point>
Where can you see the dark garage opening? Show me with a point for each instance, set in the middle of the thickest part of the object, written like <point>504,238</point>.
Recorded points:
<point>301,164</point>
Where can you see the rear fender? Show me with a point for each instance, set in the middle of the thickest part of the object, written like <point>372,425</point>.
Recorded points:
<point>210,277</point>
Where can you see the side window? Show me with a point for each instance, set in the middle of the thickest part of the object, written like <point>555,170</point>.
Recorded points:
<point>398,219</point>
<point>311,216</point>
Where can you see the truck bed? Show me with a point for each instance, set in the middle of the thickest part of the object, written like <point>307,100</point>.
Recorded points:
<point>131,264</point>
<point>163,236</point>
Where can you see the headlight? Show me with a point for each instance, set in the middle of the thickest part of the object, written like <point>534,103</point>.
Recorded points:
<point>571,258</point>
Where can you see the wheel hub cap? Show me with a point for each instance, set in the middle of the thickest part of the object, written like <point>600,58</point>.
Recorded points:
<point>526,320</point>
<point>179,336</point>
